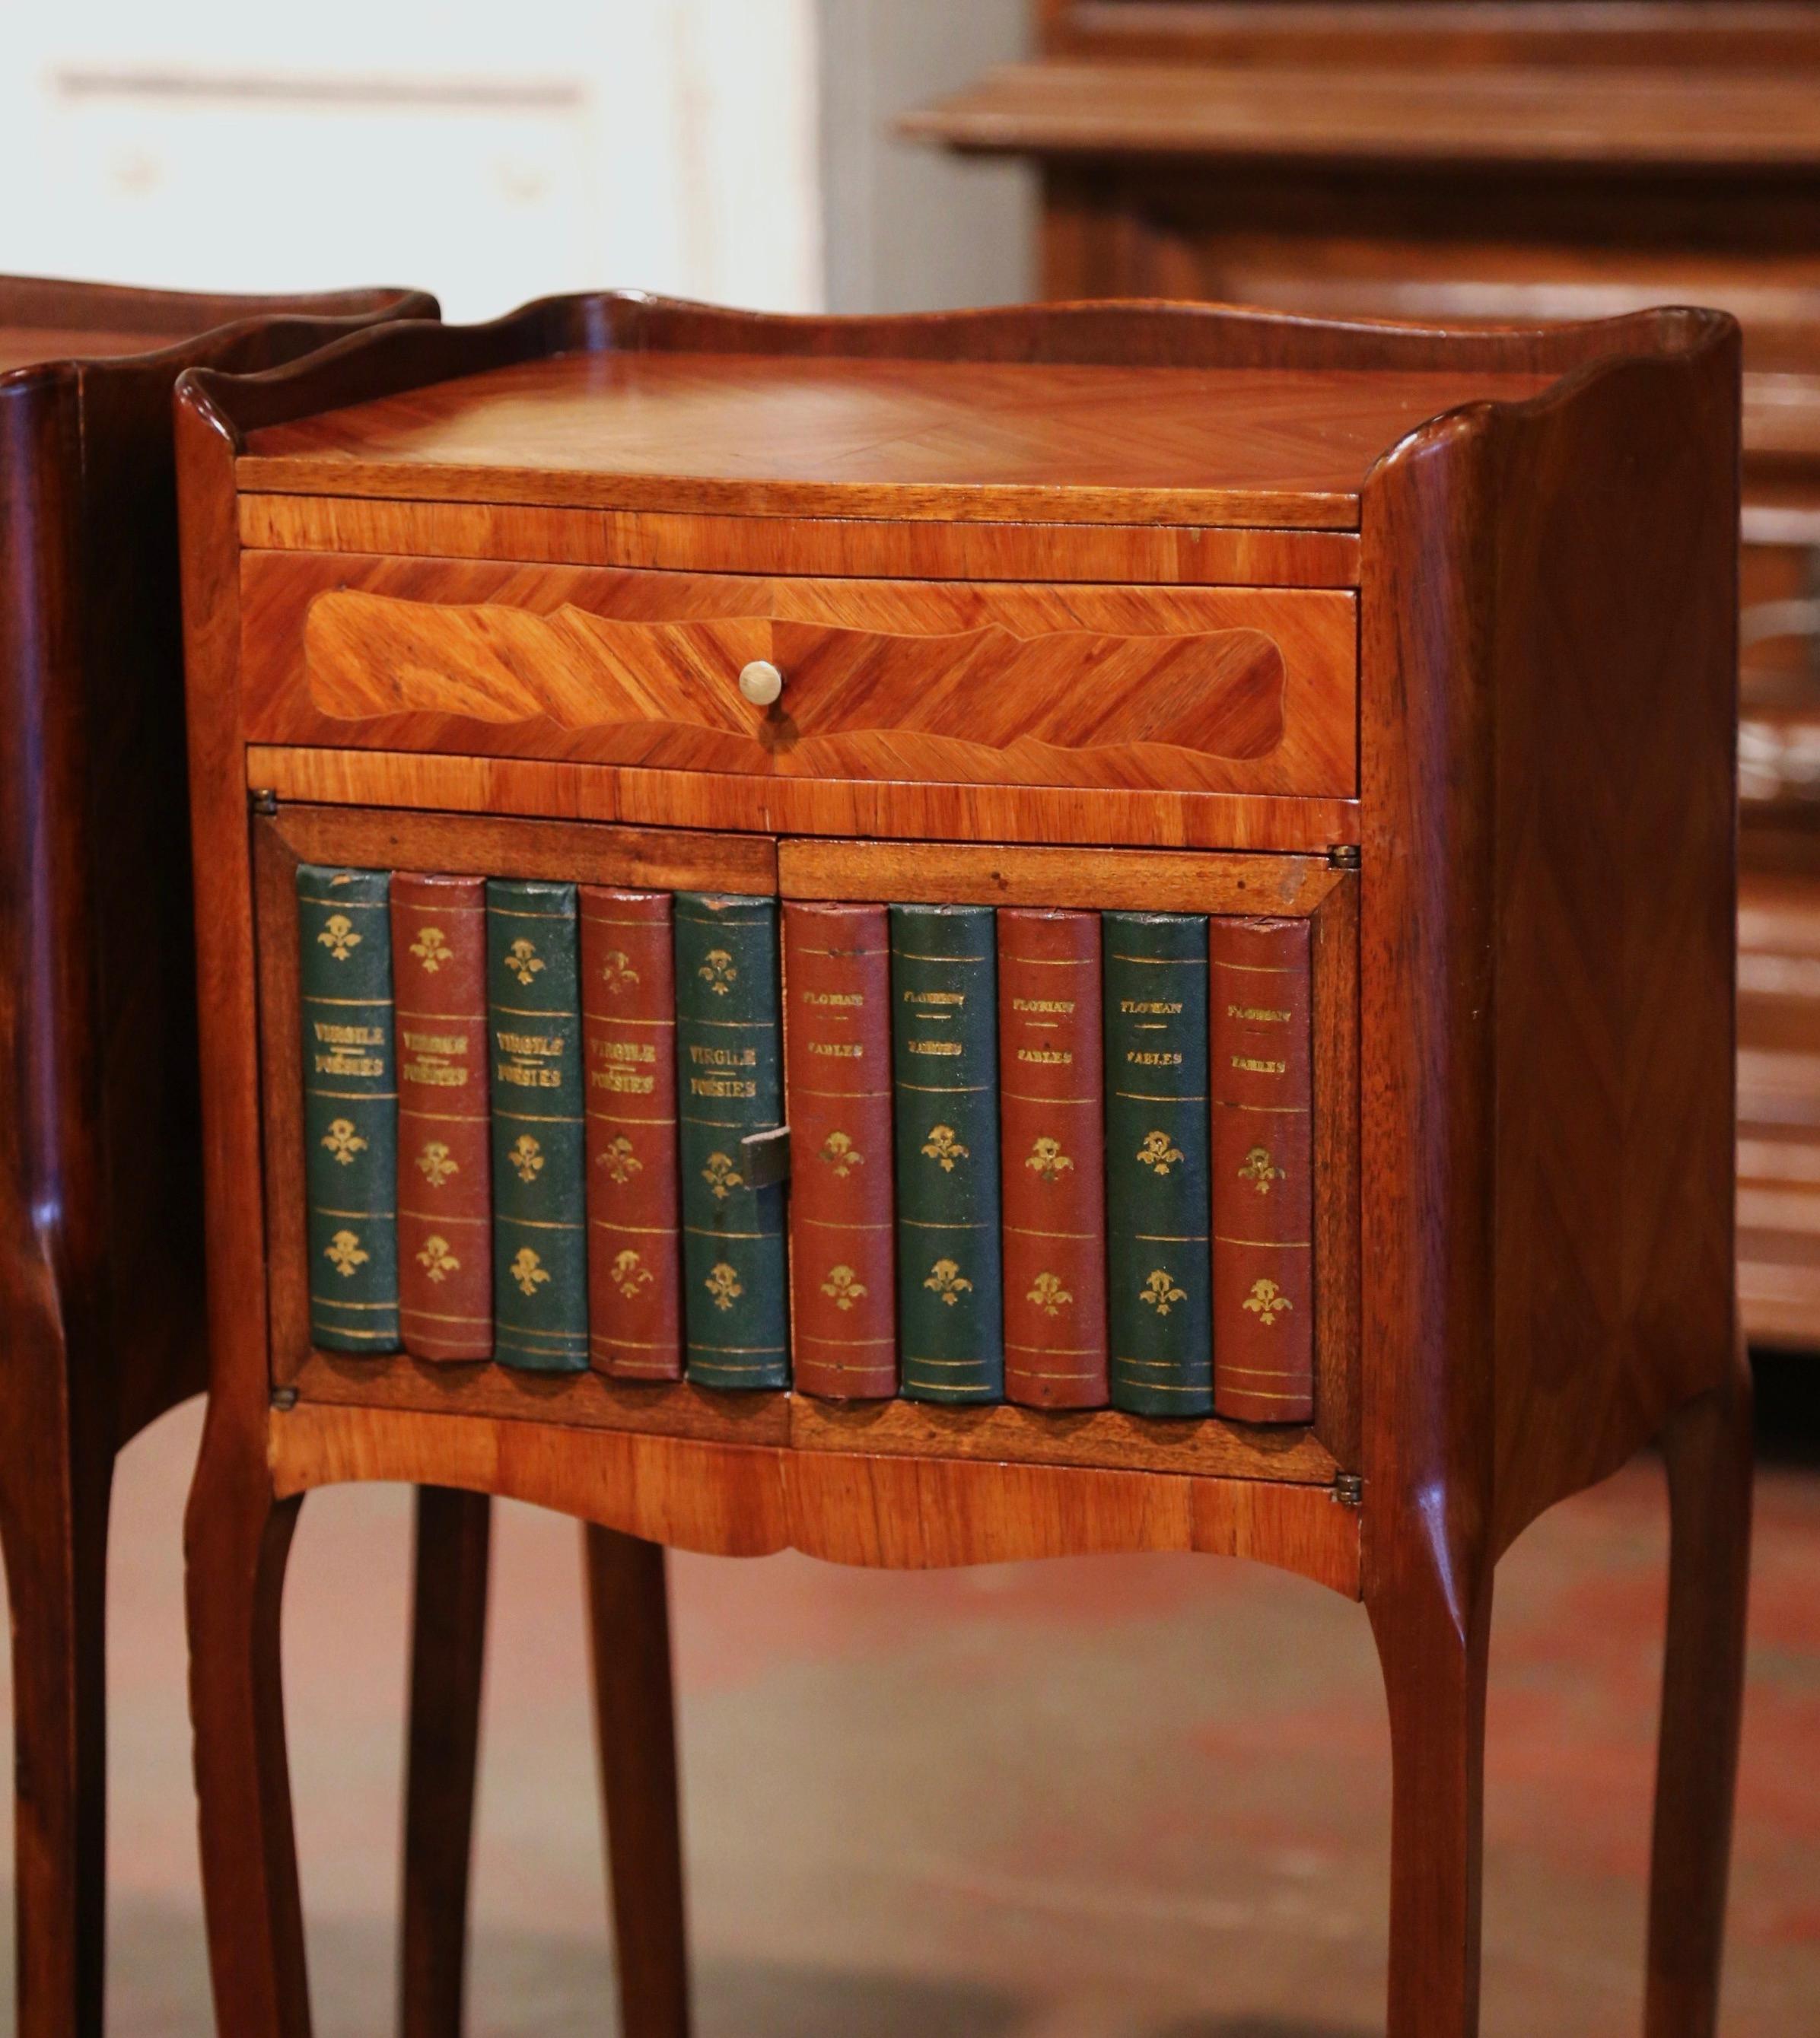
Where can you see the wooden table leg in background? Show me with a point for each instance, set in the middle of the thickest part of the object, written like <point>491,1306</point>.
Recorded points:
<point>447,1652</point>
<point>636,1719</point>
<point>54,1505</point>
<point>1708,1446</point>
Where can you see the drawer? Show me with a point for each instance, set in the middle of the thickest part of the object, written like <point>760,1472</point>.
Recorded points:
<point>1172,689</point>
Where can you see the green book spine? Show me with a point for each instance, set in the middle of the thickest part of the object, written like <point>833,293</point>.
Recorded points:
<point>350,1106</point>
<point>736,1310</point>
<point>945,1080</point>
<point>540,1168</point>
<point>1158,1254</point>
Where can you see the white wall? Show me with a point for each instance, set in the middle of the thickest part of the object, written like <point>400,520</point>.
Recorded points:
<point>490,154</point>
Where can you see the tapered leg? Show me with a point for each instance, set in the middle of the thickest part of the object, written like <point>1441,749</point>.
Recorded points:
<point>53,1515</point>
<point>1433,1650</point>
<point>1708,1447</point>
<point>237,1538</point>
<point>447,1652</point>
<point>635,1721</point>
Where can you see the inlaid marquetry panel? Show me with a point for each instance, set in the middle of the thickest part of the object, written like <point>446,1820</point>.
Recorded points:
<point>1185,689</point>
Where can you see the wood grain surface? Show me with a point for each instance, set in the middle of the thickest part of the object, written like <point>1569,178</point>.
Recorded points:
<point>1213,689</point>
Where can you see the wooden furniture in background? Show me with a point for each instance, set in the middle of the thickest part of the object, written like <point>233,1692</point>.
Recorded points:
<point>101,1227</point>
<point>1520,868</point>
<point>1459,160</point>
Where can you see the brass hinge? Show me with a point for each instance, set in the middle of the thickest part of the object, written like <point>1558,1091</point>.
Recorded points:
<point>1348,1489</point>
<point>1344,856</point>
<point>263,801</point>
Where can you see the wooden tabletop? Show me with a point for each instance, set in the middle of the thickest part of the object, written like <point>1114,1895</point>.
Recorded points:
<point>832,436</point>
<point>27,345</point>
<point>1680,120</point>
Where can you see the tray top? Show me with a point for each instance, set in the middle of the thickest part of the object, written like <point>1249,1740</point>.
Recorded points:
<point>880,438</point>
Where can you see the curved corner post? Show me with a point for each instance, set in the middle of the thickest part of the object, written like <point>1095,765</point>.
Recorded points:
<point>1707,1444</point>
<point>628,1621</point>
<point>1427,1148</point>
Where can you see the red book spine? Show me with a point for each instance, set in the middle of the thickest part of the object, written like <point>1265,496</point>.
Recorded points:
<point>629,1052</point>
<point>837,1088</point>
<point>1053,1158</point>
<point>445,1179</point>
<point>1263,1188</point>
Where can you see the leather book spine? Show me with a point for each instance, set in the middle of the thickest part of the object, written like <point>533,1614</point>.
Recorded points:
<point>350,1107</point>
<point>445,1190</point>
<point>629,1048</point>
<point>736,1315</point>
<point>540,1225</point>
<point>1264,1191</point>
<point>944,1078</point>
<point>1159,1266</point>
<point>1052,1129</point>
<point>837,1090</point>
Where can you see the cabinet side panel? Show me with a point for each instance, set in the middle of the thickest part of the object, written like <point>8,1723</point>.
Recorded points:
<point>1615,679</point>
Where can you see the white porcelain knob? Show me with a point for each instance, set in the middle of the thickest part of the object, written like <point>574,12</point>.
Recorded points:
<point>760,682</point>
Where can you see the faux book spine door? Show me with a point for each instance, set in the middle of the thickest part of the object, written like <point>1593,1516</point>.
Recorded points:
<point>735,1311</point>
<point>539,1234</point>
<point>350,1107</point>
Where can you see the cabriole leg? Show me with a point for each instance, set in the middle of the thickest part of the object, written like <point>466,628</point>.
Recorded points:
<point>1707,1444</point>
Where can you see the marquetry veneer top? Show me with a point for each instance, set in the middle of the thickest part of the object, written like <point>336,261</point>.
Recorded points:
<point>836,437</point>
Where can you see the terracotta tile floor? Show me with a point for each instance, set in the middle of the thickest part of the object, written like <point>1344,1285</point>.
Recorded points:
<point>1115,1798</point>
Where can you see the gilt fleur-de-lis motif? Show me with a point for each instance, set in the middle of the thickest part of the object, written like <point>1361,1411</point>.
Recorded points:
<point>618,1159</point>
<point>1156,1153</point>
<point>338,936</point>
<point>1160,1292</point>
<point>721,1177</point>
<point>342,1141</point>
<point>1048,1294</point>
<point>1260,1170</point>
<point>528,1270</point>
<point>943,1148</point>
<point>343,1253</point>
<point>629,1273</point>
<point>1048,1161</point>
<point>436,1260</point>
<point>839,1152</point>
<point>724,1284</point>
<point>527,1157</point>
<point>717,971</point>
<point>437,1164</point>
<point>522,959</point>
<point>617,971</point>
<point>843,1287</point>
<point>431,949</point>
<point>1267,1302</point>
<point>948,1281</point>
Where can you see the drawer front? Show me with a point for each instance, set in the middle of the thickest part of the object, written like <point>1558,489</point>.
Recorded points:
<point>1182,690</point>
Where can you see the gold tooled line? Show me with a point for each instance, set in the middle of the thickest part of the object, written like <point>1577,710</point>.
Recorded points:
<point>618,1019</point>
<point>908,954</point>
<point>530,1011</point>
<point>1156,1096</point>
<point>326,1209</point>
<point>310,997</point>
<point>443,1117</point>
<point>701,1231</point>
<point>535,1223</point>
<point>839,1224</point>
<point>1269,1245</point>
<point>635,1230</point>
<point>1162,962</point>
<point>808,1337</point>
<point>1262,968</point>
<point>359,905</point>
<point>431,1316</point>
<point>947,1089</point>
<point>619,1118</point>
<point>351,1096</point>
<point>333,1302</point>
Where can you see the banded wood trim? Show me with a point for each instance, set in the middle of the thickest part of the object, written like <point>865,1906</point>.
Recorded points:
<point>643,858</point>
<point>1113,880</point>
<point>846,1507</point>
<point>674,799</point>
<point>825,547</point>
<point>1097,686</point>
<point>1009,1433</point>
